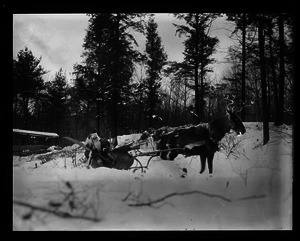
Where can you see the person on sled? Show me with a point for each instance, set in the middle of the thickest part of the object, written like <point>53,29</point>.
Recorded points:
<point>100,151</point>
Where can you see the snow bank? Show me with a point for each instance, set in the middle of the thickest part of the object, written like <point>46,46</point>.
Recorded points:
<point>251,188</point>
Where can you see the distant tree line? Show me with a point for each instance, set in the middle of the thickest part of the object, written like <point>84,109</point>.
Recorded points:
<point>118,90</point>
<point>262,73</point>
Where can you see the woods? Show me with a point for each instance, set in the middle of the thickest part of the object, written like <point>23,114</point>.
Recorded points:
<point>119,89</point>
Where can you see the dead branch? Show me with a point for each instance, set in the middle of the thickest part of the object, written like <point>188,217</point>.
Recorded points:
<point>55,212</point>
<point>251,197</point>
<point>127,196</point>
<point>151,202</point>
<point>242,174</point>
<point>283,133</point>
<point>231,146</point>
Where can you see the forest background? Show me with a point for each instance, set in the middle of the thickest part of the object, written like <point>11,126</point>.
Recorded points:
<point>127,79</point>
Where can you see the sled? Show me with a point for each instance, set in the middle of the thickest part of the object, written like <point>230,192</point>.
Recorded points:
<point>122,159</point>
<point>118,158</point>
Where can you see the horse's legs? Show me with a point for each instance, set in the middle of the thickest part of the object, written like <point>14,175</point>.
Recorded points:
<point>163,154</point>
<point>203,162</point>
<point>210,158</point>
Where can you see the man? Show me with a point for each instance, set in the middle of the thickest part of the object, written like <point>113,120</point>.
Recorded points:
<point>100,151</point>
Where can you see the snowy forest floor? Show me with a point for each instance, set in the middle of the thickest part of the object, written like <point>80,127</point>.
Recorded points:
<point>251,188</point>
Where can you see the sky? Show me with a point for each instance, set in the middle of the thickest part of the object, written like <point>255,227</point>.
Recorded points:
<point>58,39</point>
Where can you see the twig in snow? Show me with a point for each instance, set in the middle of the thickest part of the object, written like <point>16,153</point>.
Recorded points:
<point>127,196</point>
<point>242,174</point>
<point>250,197</point>
<point>283,133</point>
<point>61,214</point>
<point>151,202</point>
<point>231,146</point>
<point>74,203</point>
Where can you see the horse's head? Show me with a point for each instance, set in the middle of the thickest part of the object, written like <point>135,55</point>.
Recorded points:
<point>236,123</point>
<point>159,132</point>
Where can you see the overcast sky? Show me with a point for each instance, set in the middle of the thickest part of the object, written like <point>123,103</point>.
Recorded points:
<point>58,38</point>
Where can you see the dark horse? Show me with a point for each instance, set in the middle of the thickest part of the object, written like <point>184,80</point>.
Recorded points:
<point>201,139</point>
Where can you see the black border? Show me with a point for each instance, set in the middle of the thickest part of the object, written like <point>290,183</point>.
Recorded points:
<point>53,6</point>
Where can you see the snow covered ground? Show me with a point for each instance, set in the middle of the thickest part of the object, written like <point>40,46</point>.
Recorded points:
<point>251,188</point>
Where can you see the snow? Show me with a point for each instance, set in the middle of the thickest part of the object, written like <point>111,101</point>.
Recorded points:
<point>126,139</point>
<point>37,133</point>
<point>261,174</point>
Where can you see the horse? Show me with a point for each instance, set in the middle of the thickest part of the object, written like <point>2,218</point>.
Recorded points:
<point>201,139</point>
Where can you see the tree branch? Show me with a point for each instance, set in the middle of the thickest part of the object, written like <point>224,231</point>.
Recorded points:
<point>151,202</point>
<point>55,212</point>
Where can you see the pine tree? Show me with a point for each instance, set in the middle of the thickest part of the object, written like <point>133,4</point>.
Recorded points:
<point>199,47</point>
<point>109,56</point>
<point>261,39</point>
<point>156,59</point>
<point>27,82</point>
<point>281,69</point>
<point>57,90</point>
<point>242,21</point>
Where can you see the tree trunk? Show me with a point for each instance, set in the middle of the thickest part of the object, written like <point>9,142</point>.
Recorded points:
<point>98,117</point>
<point>269,93</point>
<point>281,69</point>
<point>169,106</point>
<point>201,112</point>
<point>274,82</point>
<point>176,110</point>
<point>76,126</point>
<point>201,94</point>
<point>98,98</point>
<point>243,111</point>
<point>197,104</point>
<point>261,40</point>
<point>151,107</point>
<point>185,100</point>
<point>115,81</point>
<point>139,118</point>
<point>25,111</point>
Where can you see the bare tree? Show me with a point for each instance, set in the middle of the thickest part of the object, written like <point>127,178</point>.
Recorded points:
<point>261,39</point>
